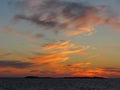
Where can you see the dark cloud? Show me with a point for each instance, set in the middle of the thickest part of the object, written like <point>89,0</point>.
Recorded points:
<point>112,69</point>
<point>59,14</point>
<point>75,17</point>
<point>35,19</point>
<point>74,10</point>
<point>15,64</point>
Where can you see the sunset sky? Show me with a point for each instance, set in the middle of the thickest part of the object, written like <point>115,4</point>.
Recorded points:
<point>59,38</point>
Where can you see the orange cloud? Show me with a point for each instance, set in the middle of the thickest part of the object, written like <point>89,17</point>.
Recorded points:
<point>49,58</point>
<point>111,72</point>
<point>79,29</point>
<point>65,47</point>
<point>11,72</point>
<point>60,51</point>
<point>79,69</point>
<point>89,72</point>
<point>62,45</point>
<point>101,72</point>
<point>57,54</point>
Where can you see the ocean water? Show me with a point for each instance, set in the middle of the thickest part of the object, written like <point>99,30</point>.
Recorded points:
<point>59,84</point>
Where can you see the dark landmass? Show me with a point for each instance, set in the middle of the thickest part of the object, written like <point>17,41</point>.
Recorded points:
<point>64,77</point>
<point>84,78</point>
<point>38,77</point>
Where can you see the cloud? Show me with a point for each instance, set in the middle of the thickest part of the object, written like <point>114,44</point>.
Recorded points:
<point>78,69</point>
<point>48,58</point>
<point>83,69</point>
<point>75,69</point>
<point>111,72</point>
<point>65,46</point>
<point>35,19</point>
<point>61,45</point>
<point>73,17</point>
<point>14,64</point>
<point>56,54</point>
<point>63,70</point>
<point>112,69</point>
<point>4,55</point>
<point>102,72</point>
<point>89,72</point>
<point>13,72</point>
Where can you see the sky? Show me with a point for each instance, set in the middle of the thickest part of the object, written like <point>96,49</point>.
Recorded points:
<point>59,38</point>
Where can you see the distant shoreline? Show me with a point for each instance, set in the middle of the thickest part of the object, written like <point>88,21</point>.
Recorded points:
<point>36,77</point>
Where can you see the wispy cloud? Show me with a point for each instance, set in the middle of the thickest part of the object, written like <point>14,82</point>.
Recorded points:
<point>14,64</point>
<point>57,53</point>
<point>111,72</point>
<point>4,55</point>
<point>65,46</point>
<point>112,69</point>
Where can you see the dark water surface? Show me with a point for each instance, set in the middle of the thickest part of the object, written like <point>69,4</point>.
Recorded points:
<point>59,84</point>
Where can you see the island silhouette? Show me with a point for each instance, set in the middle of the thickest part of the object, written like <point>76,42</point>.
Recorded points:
<point>36,77</point>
